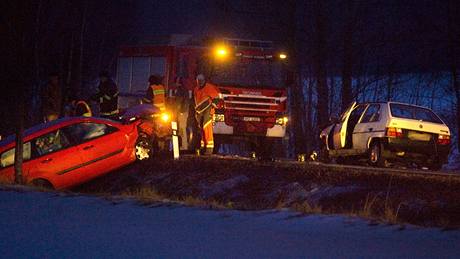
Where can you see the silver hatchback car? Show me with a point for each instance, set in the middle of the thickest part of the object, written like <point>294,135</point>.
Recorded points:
<point>387,131</point>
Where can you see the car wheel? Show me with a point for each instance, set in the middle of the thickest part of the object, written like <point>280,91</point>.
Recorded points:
<point>143,148</point>
<point>42,184</point>
<point>375,155</point>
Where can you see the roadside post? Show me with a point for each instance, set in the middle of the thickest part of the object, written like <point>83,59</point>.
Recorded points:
<point>175,140</point>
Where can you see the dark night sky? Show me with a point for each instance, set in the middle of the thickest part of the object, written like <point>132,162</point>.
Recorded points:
<point>237,18</point>
<point>408,33</point>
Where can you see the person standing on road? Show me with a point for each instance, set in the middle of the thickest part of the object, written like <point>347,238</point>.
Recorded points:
<point>206,98</point>
<point>181,109</point>
<point>155,93</point>
<point>51,98</point>
<point>107,97</point>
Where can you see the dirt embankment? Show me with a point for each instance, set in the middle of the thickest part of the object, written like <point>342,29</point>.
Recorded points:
<point>253,185</point>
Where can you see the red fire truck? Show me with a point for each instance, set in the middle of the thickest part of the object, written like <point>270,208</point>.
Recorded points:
<point>248,73</point>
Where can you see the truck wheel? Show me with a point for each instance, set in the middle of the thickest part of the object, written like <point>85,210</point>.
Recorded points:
<point>217,144</point>
<point>267,148</point>
<point>143,148</point>
<point>375,155</point>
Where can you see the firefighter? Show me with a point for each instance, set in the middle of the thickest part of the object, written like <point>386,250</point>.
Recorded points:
<point>156,93</point>
<point>51,98</point>
<point>181,106</point>
<point>107,97</point>
<point>206,97</point>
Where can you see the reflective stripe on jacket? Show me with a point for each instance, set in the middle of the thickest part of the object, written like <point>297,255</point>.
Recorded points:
<point>156,93</point>
<point>204,96</point>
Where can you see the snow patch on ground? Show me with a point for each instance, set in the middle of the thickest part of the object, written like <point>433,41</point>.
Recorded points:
<point>223,186</point>
<point>321,192</point>
<point>37,225</point>
<point>290,193</point>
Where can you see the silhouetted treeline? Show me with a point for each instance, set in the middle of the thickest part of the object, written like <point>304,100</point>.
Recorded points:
<point>75,39</point>
<point>340,50</point>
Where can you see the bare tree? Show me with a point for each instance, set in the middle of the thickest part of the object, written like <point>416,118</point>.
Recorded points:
<point>348,60</point>
<point>453,41</point>
<point>319,63</point>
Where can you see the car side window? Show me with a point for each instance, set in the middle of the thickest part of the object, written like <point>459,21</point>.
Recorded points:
<point>372,114</point>
<point>401,111</point>
<point>50,142</point>
<point>86,131</point>
<point>7,157</point>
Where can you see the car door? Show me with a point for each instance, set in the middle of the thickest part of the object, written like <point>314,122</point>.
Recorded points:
<point>339,135</point>
<point>55,159</point>
<point>101,146</point>
<point>368,126</point>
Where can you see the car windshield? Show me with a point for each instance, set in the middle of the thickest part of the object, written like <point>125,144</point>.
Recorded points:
<point>414,113</point>
<point>248,72</point>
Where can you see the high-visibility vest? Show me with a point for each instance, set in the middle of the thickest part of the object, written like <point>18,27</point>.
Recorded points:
<point>158,96</point>
<point>204,96</point>
<point>83,109</point>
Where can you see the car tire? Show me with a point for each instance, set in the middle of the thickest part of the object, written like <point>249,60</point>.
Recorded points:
<point>143,148</point>
<point>42,184</point>
<point>375,157</point>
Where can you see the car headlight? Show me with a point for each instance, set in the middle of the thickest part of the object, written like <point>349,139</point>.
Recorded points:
<point>165,117</point>
<point>282,120</point>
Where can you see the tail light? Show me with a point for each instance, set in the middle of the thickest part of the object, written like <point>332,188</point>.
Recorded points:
<point>443,139</point>
<point>394,133</point>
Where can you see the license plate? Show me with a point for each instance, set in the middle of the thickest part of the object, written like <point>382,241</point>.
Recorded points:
<point>419,136</point>
<point>251,119</point>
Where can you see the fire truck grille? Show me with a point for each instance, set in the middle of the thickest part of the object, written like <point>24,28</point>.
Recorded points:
<point>251,100</point>
<point>257,104</point>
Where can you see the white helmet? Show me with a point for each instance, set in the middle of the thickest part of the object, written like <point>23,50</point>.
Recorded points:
<point>200,77</point>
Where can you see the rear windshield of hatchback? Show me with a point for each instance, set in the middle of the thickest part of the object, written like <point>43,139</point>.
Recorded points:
<point>413,112</point>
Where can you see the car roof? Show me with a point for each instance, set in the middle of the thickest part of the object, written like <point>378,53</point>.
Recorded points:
<point>390,102</point>
<point>52,125</point>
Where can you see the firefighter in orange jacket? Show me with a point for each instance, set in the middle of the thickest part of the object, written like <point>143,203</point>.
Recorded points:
<point>206,97</point>
<point>156,93</point>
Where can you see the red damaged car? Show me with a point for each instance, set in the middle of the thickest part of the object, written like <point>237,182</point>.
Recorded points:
<point>69,151</point>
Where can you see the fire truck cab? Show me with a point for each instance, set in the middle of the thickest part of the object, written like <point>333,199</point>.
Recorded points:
<point>249,75</point>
